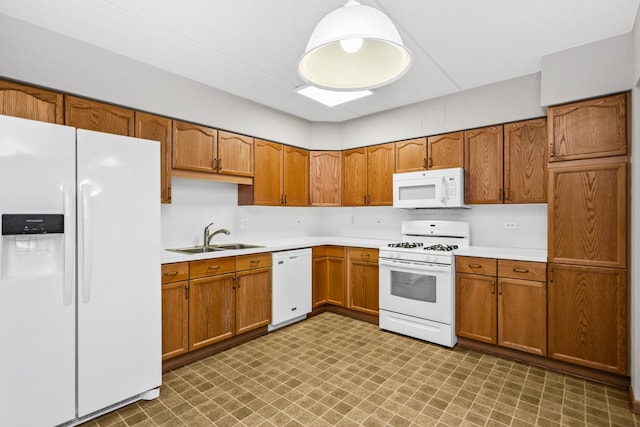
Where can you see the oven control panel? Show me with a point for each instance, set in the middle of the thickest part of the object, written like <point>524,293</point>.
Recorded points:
<point>415,257</point>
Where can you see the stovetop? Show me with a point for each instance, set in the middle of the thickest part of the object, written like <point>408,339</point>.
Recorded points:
<point>421,246</point>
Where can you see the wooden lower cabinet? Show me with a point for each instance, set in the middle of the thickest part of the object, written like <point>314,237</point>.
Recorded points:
<point>505,305</point>
<point>588,317</point>
<point>363,286</point>
<point>215,303</point>
<point>211,310</point>
<point>253,293</point>
<point>328,276</point>
<point>175,309</point>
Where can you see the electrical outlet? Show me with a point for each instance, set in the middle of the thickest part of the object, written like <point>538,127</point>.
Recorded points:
<point>353,219</point>
<point>244,222</point>
<point>510,224</point>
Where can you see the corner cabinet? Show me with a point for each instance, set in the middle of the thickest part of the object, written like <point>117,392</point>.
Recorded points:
<point>325,177</point>
<point>329,274</point>
<point>363,280</point>
<point>28,102</point>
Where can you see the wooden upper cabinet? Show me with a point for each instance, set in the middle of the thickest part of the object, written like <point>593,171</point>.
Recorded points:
<point>380,167</point>
<point>354,183</point>
<point>92,115</point>
<point>31,103</point>
<point>267,175</point>
<point>445,151</point>
<point>411,155</point>
<point>483,165</point>
<point>295,176</point>
<point>194,147</point>
<point>235,154</point>
<point>587,212</point>
<point>325,177</point>
<point>525,161</point>
<point>149,126</point>
<point>588,317</point>
<point>588,129</point>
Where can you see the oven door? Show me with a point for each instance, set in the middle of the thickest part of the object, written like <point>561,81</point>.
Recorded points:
<point>417,289</point>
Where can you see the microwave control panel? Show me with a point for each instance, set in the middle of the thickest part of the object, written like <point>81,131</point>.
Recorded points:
<point>451,188</point>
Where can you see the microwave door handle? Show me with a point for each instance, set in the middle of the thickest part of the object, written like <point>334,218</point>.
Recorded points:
<point>443,195</point>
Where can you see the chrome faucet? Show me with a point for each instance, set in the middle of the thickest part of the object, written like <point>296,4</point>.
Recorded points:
<point>208,236</point>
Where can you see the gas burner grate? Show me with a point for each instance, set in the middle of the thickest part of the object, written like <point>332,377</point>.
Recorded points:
<point>443,248</point>
<point>406,245</point>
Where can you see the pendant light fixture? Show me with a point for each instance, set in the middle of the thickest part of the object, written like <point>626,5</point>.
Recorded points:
<point>352,48</point>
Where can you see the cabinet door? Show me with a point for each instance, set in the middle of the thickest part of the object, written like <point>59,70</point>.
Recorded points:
<point>235,154</point>
<point>380,168</point>
<point>476,307</point>
<point>411,155</point>
<point>295,176</point>
<point>158,128</point>
<point>354,182</point>
<point>211,310</point>
<point>267,177</point>
<point>31,103</point>
<point>194,147</point>
<point>325,176</point>
<point>588,317</point>
<point>587,212</point>
<point>336,281</point>
<point>175,319</point>
<point>320,282</point>
<point>522,315</point>
<point>446,151</point>
<point>525,164</point>
<point>92,115</point>
<point>483,165</point>
<point>588,129</point>
<point>363,286</point>
<point>253,299</point>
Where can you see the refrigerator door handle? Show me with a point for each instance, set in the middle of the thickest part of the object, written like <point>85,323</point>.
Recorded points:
<point>69,250</point>
<point>85,253</point>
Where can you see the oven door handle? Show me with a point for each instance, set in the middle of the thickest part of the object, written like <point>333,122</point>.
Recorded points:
<point>415,265</point>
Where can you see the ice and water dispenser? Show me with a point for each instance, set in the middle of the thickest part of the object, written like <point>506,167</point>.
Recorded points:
<point>32,244</point>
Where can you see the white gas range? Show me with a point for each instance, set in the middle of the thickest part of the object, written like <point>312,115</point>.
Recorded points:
<point>417,280</point>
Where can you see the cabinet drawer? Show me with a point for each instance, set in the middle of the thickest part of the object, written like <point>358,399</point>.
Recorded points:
<point>476,265</point>
<point>175,272</point>
<point>246,262</point>
<point>363,254</point>
<point>331,251</point>
<point>526,270</point>
<point>211,267</point>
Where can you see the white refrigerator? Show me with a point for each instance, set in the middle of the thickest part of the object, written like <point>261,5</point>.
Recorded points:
<point>80,321</point>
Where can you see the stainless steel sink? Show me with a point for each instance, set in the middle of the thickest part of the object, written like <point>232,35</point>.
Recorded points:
<point>214,248</point>
<point>225,246</point>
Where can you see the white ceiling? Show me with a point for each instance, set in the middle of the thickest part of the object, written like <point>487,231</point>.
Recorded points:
<point>251,47</point>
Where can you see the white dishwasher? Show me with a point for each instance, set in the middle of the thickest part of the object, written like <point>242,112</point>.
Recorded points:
<point>290,287</point>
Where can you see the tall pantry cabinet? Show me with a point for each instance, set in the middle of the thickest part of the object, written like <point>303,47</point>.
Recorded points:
<point>588,209</point>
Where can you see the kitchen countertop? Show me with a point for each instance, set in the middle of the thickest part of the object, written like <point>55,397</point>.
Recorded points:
<point>521,254</point>
<point>275,245</point>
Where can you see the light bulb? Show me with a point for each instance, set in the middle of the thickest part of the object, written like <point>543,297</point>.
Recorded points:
<point>351,45</point>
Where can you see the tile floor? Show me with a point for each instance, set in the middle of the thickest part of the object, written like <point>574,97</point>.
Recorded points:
<point>331,370</point>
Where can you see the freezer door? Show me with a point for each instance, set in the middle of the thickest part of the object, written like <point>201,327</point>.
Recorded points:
<point>37,273</point>
<point>119,320</point>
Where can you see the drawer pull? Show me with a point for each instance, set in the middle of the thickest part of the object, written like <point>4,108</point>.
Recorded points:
<point>520,270</point>
<point>213,267</point>
<point>170,273</point>
<point>254,261</point>
<point>362,254</point>
<point>475,266</point>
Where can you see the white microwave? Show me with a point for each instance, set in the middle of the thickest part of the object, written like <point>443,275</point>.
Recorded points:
<point>440,188</point>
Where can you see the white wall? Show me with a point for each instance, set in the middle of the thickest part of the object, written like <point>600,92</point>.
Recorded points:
<point>510,100</point>
<point>34,55</point>
<point>595,69</point>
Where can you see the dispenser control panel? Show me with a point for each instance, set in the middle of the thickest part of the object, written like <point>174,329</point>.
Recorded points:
<point>14,224</point>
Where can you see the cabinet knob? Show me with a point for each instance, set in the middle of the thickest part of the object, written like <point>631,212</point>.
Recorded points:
<point>493,289</point>
<point>552,148</point>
